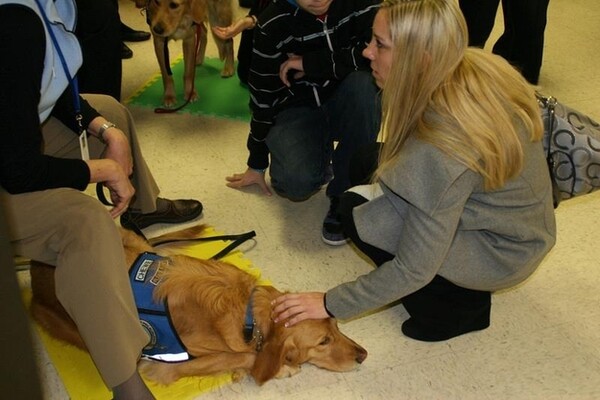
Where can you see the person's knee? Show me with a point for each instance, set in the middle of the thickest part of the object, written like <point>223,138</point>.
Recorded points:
<point>92,220</point>
<point>111,109</point>
<point>294,188</point>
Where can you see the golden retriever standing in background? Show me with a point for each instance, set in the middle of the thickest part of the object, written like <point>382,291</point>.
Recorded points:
<point>208,303</point>
<point>186,20</point>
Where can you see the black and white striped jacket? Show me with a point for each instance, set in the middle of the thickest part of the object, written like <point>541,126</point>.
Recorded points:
<point>331,48</point>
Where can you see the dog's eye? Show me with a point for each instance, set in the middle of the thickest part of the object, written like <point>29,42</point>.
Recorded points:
<point>173,6</point>
<point>326,340</point>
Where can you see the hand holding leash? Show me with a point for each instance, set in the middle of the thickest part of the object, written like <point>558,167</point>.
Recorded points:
<point>112,175</point>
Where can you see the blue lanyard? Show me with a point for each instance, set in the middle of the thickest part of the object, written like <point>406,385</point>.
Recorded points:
<point>72,79</point>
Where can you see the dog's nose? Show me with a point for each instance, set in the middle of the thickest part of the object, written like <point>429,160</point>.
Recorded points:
<point>361,355</point>
<point>158,29</point>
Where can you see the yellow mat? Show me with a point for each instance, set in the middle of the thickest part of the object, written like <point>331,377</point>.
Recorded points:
<point>79,374</point>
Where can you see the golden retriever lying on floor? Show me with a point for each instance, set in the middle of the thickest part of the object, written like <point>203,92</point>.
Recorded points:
<point>208,302</point>
<point>179,19</point>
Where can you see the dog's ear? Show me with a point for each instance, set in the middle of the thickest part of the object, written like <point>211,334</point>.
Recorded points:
<point>275,355</point>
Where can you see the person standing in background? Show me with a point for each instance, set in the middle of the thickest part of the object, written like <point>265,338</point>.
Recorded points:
<point>522,42</point>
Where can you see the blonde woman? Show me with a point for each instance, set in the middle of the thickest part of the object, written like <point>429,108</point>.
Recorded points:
<point>461,204</point>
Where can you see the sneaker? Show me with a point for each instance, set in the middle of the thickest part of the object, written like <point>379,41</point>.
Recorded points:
<point>167,212</point>
<point>332,232</point>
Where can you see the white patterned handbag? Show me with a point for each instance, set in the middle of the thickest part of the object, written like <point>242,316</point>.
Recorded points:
<point>572,145</point>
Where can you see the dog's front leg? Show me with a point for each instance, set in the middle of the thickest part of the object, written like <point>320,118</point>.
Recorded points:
<point>169,97</point>
<point>220,13</point>
<point>202,38</point>
<point>189,60</point>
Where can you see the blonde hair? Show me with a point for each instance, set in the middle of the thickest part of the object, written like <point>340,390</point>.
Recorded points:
<point>470,104</point>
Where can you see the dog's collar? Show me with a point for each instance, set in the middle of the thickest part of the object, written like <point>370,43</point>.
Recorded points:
<point>251,330</point>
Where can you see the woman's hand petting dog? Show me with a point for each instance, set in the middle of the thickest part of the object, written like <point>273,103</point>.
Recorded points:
<point>296,307</point>
<point>250,177</point>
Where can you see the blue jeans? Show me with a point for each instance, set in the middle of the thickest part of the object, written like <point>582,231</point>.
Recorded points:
<point>301,142</point>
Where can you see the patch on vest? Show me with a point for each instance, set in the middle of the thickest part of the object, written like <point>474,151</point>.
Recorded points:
<point>148,264</point>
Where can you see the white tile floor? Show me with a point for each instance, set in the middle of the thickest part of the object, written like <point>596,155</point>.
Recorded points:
<point>544,341</point>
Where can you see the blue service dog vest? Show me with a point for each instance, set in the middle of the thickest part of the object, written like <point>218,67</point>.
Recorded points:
<point>165,344</point>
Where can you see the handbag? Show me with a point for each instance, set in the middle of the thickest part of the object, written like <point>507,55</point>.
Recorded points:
<point>572,145</point>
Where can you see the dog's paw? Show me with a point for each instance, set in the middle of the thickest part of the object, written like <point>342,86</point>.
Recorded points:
<point>159,372</point>
<point>238,375</point>
<point>227,72</point>
<point>193,97</point>
<point>288,370</point>
<point>169,100</point>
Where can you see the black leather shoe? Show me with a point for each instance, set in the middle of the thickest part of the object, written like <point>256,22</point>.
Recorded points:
<point>167,212</point>
<point>131,35</point>
<point>126,52</point>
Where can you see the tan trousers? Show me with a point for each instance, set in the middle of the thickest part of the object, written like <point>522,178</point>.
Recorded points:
<point>74,232</point>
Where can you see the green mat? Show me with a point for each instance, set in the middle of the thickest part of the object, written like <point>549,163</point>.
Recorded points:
<point>218,97</point>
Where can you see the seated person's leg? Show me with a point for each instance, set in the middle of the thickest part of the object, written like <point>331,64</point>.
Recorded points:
<point>299,155</point>
<point>147,208</point>
<point>91,275</point>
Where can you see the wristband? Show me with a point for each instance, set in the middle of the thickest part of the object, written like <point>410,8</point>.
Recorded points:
<point>104,127</point>
<point>260,170</point>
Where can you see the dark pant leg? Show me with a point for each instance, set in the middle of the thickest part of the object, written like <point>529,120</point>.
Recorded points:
<point>354,117</point>
<point>300,151</point>
<point>99,33</point>
<point>522,42</point>
<point>348,201</point>
<point>442,310</point>
<point>364,163</point>
<point>480,16</point>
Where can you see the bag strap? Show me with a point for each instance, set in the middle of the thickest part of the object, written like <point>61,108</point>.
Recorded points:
<point>549,103</point>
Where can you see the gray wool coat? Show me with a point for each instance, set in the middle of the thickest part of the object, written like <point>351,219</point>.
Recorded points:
<point>436,218</point>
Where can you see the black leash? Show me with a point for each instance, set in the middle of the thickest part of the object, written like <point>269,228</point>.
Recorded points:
<point>236,239</point>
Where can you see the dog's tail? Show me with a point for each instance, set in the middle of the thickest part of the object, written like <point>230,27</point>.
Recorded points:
<point>181,235</point>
